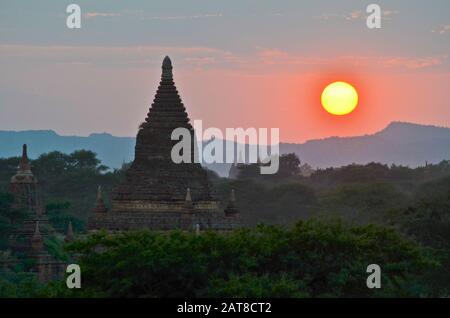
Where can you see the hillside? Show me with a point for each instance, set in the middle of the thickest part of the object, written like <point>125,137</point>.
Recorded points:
<point>399,143</point>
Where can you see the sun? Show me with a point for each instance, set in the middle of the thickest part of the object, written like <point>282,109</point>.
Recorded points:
<point>339,98</point>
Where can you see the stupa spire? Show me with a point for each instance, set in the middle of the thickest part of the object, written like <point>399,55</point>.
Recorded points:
<point>231,209</point>
<point>99,194</point>
<point>189,205</point>
<point>99,202</point>
<point>188,195</point>
<point>166,113</point>
<point>232,196</point>
<point>36,240</point>
<point>69,235</point>
<point>167,69</point>
<point>37,232</point>
<point>24,186</point>
<point>240,158</point>
<point>24,166</point>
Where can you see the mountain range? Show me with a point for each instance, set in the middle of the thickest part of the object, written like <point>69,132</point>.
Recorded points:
<point>399,143</point>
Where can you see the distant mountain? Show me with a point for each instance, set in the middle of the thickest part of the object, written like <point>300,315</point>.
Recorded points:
<point>399,143</point>
<point>111,150</point>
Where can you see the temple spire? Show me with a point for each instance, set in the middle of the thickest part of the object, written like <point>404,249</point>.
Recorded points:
<point>36,240</point>
<point>23,186</point>
<point>167,69</point>
<point>188,201</point>
<point>197,229</point>
<point>231,209</point>
<point>188,195</point>
<point>99,202</point>
<point>240,158</point>
<point>69,235</point>
<point>24,166</point>
<point>232,196</point>
<point>99,194</point>
<point>37,232</point>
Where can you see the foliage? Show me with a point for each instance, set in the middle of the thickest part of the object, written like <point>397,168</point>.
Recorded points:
<point>281,203</point>
<point>9,218</point>
<point>289,165</point>
<point>55,247</point>
<point>309,259</point>
<point>257,262</point>
<point>72,178</point>
<point>14,282</point>
<point>362,202</point>
<point>20,287</point>
<point>428,221</point>
<point>59,217</point>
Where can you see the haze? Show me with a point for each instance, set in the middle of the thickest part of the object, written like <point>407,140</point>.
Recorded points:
<point>236,64</point>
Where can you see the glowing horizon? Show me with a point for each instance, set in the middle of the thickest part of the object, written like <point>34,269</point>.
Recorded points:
<point>230,69</point>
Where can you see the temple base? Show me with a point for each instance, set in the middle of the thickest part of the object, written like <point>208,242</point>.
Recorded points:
<point>163,216</point>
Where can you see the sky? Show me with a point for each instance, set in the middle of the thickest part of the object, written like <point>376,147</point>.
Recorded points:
<point>237,63</point>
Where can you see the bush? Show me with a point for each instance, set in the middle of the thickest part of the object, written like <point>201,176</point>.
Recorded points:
<point>310,259</point>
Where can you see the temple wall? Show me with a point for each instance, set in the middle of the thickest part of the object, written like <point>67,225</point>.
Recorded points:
<point>162,206</point>
<point>120,221</point>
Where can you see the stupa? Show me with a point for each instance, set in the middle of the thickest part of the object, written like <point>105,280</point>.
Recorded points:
<point>24,186</point>
<point>157,193</point>
<point>27,241</point>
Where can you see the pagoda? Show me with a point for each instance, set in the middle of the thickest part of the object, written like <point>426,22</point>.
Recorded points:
<point>24,187</point>
<point>27,241</point>
<point>157,193</point>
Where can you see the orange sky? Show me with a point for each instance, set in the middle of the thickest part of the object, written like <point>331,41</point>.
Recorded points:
<point>292,101</point>
<point>248,63</point>
<point>80,99</point>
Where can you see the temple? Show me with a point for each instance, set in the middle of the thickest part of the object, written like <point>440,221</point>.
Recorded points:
<point>24,187</point>
<point>235,169</point>
<point>157,193</point>
<point>27,241</point>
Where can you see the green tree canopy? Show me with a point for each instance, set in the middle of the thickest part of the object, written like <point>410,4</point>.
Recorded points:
<point>308,259</point>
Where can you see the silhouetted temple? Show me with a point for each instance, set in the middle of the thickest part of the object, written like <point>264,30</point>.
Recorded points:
<point>157,193</point>
<point>235,169</point>
<point>27,241</point>
<point>24,187</point>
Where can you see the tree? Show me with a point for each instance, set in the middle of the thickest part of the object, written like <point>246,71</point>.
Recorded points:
<point>289,165</point>
<point>86,159</point>
<point>59,217</point>
<point>309,259</point>
<point>9,218</point>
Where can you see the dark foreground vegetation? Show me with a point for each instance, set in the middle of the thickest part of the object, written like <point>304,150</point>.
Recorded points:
<point>309,259</point>
<point>357,215</point>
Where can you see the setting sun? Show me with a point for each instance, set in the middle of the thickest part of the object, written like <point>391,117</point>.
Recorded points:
<point>339,98</point>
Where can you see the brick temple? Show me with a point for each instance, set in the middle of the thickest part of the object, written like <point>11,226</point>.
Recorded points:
<point>157,193</point>
<point>27,242</point>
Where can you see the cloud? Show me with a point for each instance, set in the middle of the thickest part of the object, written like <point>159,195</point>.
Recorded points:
<point>355,15</point>
<point>200,61</point>
<point>143,16</point>
<point>114,55</point>
<point>412,62</point>
<point>442,30</point>
<point>268,59</point>
<point>183,17</point>
<point>388,13</point>
<point>270,54</point>
<point>278,57</point>
<point>89,15</point>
